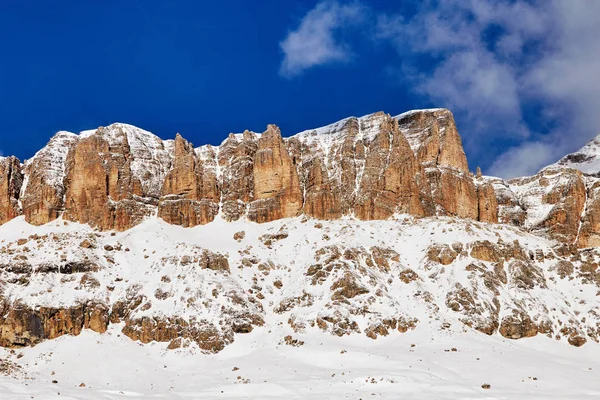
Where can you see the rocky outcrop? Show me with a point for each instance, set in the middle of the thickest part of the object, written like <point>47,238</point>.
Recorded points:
<point>487,203</point>
<point>388,183</point>
<point>43,195</point>
<point>236,158</point>
<point>370,168</point>
<point>190,195</point>
<point>362,167</point>
<point>20,325</point>
<point>277,191</point>
<point>589,230</point>
<point>11,179</point>
<point>434,138</point>
<point>436,143</point>
<point>114,177</point>
<point>553,202</point>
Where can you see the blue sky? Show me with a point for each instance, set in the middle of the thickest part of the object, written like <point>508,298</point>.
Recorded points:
<point>520,75</point>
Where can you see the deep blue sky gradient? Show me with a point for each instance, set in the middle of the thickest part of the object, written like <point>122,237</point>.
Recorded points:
<point>200,68</point>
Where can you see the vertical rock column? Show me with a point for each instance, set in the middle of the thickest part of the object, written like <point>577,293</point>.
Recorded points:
<point>11,179</point>
<point>389,180</point>
<point>190,194</point>
<point>276,185</point>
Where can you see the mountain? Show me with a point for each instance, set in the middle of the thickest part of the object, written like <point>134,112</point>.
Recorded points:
<point>586,159</point>
<point>371,227</point>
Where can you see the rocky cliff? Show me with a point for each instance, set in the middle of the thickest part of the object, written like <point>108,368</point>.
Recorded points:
<point>370,167</point>
<point>387,228</point>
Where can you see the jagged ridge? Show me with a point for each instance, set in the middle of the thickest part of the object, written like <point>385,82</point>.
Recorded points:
<point>473,262</point>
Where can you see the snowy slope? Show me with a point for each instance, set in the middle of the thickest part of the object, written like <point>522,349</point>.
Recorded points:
<point>344,277</point>
<point>300,308</point>
<point>586,159</point>
<point>417,365</point>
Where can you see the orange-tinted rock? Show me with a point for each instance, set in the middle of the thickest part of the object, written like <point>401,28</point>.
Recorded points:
<point>43,196</point>
<point>453,192</point>
<point>236,159</point>
<point>517,325</point>
<point>554,201</point>
<point>114,177</point>
<point>487,204</point>
<point>330,160</point>
<point>21,325</point>
<point>389,179</point>
<point>277,191</point>
<point>589,232</point>
<point>11,179</point>
<point>434,138</point>
<point>510,210</point>
<point>190,194</point>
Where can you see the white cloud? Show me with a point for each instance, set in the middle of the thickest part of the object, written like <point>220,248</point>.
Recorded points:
<point>525,159</point>
<point>489,79</point>
<point>522,72</point>
<point>475,76</point>
<point>317,40</point>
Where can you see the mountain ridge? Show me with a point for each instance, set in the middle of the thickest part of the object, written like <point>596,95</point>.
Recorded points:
<point>370,226</point>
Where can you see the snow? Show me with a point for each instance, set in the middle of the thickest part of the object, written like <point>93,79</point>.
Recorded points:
<point>332,133</point>
<point>586,159</point>
<point>418,364</point>
<point>53,159</point>
<point>413,112</point>
<point>155,249</point>
<point>240,136</point>
<point>529,191</point>
<point>152,157</point>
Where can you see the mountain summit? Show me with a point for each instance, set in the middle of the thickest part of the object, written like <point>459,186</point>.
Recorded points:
<point>369,226</point>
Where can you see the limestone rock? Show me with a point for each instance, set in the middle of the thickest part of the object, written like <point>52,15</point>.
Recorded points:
<point>453,192</point>
<point>487,203</point>
<point>389,180</point>
<point>236,159</point>
<point>114,177</point>
<point>277,191</point>
<point>589,232</point>
<point>190,195</point>
<point>21,325</point>
<point>554,201</point>
<point>43,195</point>
<point>434,138</point>
<point>11,179</point>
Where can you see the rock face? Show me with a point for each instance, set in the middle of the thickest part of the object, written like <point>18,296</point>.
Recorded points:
<point>550,203</point>
<point>43,196</point>
<point>370,168</point>
<point>190,195</point>
<point>11,179</point>
<point>236,158</point>
<point>487,203</point>
<point>434,138</point>
<point>517,282</point>
<point>589,231</point>
<point>114,177</point>
<point>390,176</point>
<point>276,185</point>
<point>22,326</point>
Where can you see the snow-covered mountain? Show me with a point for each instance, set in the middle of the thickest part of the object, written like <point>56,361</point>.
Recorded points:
<point>586,159</point>
<point>369,230</point>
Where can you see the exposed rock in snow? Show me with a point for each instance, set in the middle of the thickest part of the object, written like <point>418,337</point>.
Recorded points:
<point>366,230</point>
<point>586,159</point>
